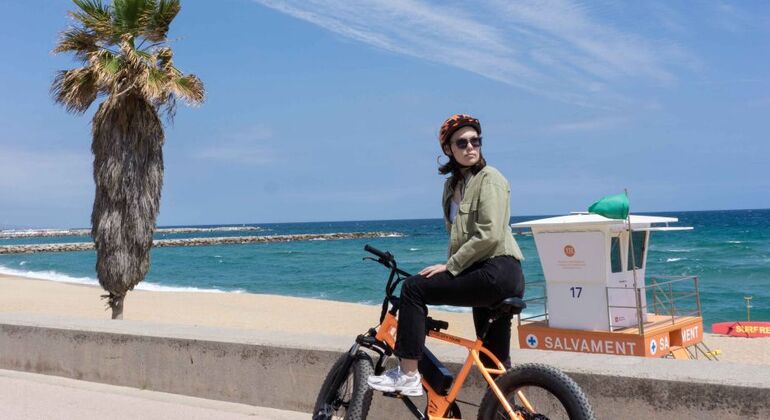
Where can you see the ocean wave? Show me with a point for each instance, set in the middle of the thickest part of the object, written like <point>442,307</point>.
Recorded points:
<point>464,309</point>
<point>414,249</point>
<point>23,263</point>
<point>676,250</point>
<point>154,287</point>
<point>735,242</point>
<point>450,308</point>
<point>393,235</point>
<point>90,281</point>
<point>48,275</point>
<point>674,259</point>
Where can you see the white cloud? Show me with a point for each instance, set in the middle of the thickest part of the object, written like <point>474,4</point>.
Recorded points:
<point>554,48</point>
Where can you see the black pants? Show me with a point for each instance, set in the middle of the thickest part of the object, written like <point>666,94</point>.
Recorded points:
<point>480,286</point>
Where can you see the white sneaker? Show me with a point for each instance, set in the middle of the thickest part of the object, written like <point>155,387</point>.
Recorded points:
<point>394,380</point>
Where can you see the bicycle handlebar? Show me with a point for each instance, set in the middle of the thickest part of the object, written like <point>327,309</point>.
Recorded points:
<point>386,259</point>
<point>384,256</point>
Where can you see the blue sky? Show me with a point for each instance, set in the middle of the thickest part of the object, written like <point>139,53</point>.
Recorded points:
<point>328,110</point>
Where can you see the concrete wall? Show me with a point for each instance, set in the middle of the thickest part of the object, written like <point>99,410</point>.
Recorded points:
<point>285,371</point>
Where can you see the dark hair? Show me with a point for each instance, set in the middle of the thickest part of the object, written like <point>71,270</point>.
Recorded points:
<point>454,168</point>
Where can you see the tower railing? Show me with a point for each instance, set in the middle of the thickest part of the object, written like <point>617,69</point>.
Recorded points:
<point>673,298</point>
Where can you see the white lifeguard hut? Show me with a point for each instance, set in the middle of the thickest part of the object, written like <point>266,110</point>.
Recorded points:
<point>596,293</point>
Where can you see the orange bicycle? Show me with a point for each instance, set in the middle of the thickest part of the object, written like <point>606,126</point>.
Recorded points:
<point>527,391</point>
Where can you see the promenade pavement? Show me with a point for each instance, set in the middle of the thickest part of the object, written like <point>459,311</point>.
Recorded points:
<point>29,396</point>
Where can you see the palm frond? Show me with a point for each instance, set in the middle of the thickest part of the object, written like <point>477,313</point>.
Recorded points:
<point>79,41</point>
<point>150,58</point>
<point>76,89</point>
<point>154,85</point>
<point>95,16</point>
<point>110,41</point>
<point>169,107</point>
<point>111,63</point>
<point>94,8</point>
<point>131,16</point>
<point>146,14</point>
<point>165,12</point>
<point>129,52</point>
<point>189,88</point>
<point>165,58</point>
<point>106,66</point>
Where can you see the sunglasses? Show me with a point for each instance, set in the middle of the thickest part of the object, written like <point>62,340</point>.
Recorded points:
<point>462,144</point>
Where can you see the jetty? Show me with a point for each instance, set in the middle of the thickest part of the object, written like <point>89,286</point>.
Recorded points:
<point>232,240</point>
<point>49,233</point>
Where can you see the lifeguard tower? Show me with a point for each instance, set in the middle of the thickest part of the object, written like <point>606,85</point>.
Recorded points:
<point>596,298</point>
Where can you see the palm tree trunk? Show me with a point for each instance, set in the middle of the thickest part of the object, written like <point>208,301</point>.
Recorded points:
<point>128,173</point>
<point>116,304</point>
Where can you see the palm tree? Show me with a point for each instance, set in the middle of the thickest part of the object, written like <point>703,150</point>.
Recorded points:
<point>125,59</point>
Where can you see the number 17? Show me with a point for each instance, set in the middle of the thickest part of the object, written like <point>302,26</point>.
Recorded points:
<point>575,289</point>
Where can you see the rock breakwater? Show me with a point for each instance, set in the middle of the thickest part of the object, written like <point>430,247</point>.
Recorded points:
<point>234,240</point>
<point>49,233</point>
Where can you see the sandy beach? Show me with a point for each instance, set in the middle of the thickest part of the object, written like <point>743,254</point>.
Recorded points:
<point>225,310</point>
<point>261,312</point>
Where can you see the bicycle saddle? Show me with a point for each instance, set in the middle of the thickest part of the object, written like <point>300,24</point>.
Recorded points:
<point>510,306</point>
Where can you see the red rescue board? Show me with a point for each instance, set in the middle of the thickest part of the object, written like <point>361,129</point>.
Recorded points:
<point>748,329</point>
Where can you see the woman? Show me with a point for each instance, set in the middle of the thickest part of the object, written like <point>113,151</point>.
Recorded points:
<point>484,260</point>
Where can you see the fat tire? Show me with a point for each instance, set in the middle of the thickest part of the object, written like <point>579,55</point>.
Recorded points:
<point>361,397</point>
<point>549,378</point>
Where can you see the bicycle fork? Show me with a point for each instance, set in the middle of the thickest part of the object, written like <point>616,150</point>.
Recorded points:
<point>340,376</point>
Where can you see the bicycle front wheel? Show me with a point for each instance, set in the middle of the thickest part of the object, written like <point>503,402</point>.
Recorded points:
<point>537,392</point>
<point>345,394</point>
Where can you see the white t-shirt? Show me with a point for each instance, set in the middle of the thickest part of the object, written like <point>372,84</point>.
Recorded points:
<point>454,206</point>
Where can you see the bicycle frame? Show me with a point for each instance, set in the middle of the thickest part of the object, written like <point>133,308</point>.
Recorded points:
<point>382,340</point>
<point>437,403</point>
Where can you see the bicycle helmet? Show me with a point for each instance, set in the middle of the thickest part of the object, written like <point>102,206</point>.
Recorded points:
<point>454,123</point>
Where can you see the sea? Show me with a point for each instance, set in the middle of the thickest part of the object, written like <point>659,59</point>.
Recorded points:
<point>728,251</point>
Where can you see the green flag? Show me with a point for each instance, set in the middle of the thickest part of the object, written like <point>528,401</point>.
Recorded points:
<point>611,206</point>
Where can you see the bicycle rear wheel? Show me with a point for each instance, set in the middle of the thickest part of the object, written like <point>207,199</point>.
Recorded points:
<point>345,394</point>
<point>537,392</point>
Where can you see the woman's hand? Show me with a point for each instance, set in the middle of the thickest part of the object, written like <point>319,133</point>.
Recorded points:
<point>434,269</point>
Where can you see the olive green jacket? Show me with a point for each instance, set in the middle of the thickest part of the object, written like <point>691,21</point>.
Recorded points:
<point>482,227</point>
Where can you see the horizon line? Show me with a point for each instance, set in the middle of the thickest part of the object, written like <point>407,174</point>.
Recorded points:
<point>378,220</point>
